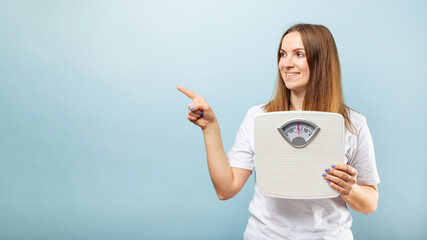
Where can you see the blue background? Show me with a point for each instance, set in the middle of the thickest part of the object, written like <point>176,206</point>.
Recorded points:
<point>94,139</point>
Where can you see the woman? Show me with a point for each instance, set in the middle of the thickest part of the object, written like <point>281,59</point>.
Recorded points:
<point>309,79</point>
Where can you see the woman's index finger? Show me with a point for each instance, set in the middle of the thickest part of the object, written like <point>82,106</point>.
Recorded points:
<point>187,92</point>
<point>346,168</point>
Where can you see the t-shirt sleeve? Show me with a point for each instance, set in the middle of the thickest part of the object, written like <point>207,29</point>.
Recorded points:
<point>241,155</point>
<point>364,158</point>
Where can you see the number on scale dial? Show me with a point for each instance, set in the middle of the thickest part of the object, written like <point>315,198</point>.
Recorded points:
<point>299,132</point>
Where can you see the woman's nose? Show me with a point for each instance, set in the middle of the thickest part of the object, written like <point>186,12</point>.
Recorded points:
<point>287,62</point>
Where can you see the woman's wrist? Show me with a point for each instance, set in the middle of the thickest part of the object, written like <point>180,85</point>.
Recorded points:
<point>211,128</point>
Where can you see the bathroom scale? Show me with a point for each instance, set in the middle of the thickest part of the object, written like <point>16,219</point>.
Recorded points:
<point>292,150</point>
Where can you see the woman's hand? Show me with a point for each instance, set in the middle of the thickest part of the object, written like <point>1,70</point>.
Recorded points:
<point>341,177</point>
<point>361,198</point>
<point>227,181</point>
<point>199,111</point>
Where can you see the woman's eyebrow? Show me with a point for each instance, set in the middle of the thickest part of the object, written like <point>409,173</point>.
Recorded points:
<point>296,49</point>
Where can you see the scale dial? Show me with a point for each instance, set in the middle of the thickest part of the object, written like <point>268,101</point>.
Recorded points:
<point>299,132</point>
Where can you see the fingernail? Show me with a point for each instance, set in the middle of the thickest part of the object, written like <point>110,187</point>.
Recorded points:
<point>333,166</point>
<point>327,169</point>
<point>324,175</point>
<point>328,181</point>
<point>191,108</point>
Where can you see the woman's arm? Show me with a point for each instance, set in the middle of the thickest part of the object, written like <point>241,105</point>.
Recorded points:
<point>227,181</point>
<point>361,198</point>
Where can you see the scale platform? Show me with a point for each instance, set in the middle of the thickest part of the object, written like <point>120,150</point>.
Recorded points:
<point>292,150</point>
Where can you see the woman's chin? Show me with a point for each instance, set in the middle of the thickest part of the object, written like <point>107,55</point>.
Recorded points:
<point>291,86</point>
<point>295,88</point>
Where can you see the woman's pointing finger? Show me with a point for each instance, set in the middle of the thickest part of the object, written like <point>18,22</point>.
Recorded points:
<point>187,92</point>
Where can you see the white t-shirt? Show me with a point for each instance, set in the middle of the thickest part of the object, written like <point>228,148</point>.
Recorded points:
<point>276,218</point>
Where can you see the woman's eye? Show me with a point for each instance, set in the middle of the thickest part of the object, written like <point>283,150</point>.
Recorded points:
<point>282,54</point>
<point>299,54</point>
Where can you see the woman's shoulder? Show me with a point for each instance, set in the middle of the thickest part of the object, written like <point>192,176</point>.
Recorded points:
<point>357,119</point>
<point>259,107</point>
<point>256,110</point>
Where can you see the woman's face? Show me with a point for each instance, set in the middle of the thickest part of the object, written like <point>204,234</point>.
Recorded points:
<point>293,66</point>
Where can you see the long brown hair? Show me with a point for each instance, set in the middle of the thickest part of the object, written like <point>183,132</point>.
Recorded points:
<point>324,91</point>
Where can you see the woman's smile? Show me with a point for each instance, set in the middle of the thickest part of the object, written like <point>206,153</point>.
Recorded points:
<point>291,75</point>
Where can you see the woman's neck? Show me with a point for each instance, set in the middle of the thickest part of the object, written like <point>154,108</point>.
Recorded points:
<point>297,100</point>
